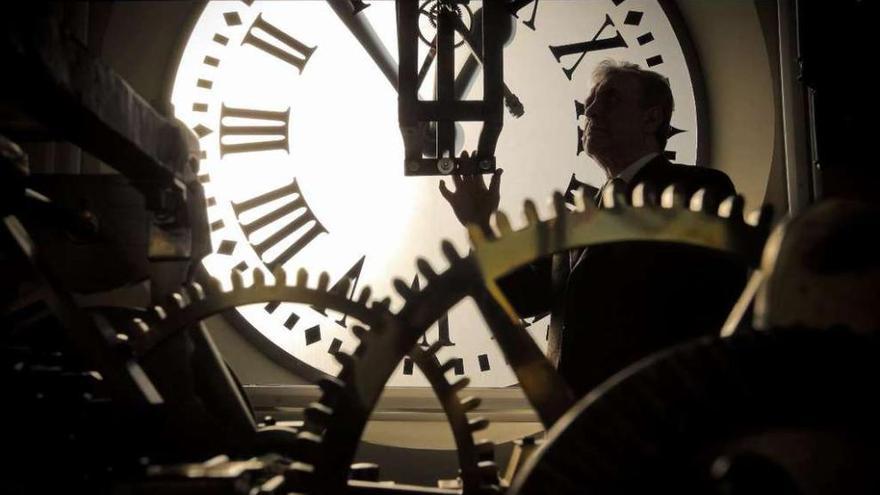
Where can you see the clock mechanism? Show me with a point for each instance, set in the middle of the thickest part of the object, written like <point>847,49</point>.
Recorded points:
<point>305,112</point>
<point>151,405</point>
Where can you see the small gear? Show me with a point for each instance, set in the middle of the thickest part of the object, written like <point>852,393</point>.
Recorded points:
<point>659,424</point>
<point>432,11</point>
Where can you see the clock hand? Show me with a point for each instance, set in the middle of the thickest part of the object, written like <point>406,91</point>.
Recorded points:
<point>363,31</point>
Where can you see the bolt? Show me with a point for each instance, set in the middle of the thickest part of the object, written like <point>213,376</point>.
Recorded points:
<point>445,165</point>
<point>412,165</point>
<point>485,164</point>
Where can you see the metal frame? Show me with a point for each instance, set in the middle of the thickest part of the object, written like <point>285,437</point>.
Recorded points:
<point>416,116</point>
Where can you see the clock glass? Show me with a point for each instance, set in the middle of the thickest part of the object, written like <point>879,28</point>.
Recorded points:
<point>302,153</point>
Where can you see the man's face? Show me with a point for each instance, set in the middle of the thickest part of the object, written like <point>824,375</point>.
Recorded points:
<point>615,120</point>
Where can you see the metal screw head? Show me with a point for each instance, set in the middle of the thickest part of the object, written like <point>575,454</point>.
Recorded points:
<point>412,166</point>
<point>485,164</point>
<point>445,165</point>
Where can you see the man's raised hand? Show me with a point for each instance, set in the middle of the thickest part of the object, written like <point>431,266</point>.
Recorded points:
<point>472,201</point>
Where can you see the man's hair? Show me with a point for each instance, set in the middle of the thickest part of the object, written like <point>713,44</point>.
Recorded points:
<point>655,91</point>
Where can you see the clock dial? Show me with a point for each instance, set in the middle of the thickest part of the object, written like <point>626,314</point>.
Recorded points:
<point>302,151</point>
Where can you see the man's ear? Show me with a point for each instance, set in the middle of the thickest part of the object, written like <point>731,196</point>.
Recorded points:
<point>652,119</point>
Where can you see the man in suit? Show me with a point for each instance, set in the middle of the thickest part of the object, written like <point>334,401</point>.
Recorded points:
<point>611,305</point>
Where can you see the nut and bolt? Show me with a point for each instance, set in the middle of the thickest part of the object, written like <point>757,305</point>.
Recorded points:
<point>445,165</point>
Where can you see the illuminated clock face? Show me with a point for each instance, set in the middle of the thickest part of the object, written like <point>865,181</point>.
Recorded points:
<point>303,157</point>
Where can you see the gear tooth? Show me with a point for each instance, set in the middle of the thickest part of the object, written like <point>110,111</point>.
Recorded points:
<point>280,276</point>
<point>674,196</point>
<point>488,471</point>
<point>212,285</point>
<point>559,204</point>
<point>175,301</point>
<point>159,312</point>
<point>471,403</point>
<point>403,289</point>
<point>360,350</point>
<point>323,281</point>
<point>704,201</point>
<point>503,223</point>
<point>426,269</point>
<point>345,359</point>
<point>195,291</point>
<point>449,251</point>
<point>448,365</point>
<point>460,384</point>
<point>579,197</point>
<point>531,212</point>
<point>330,386</point>
<point>765,218</point>
<point>384,304</point>
<point>140,325</point>
<point>259,277</point>
<point>644,195</point>
<point>302,277</point>
<point>299,476</point>
<point>341,287</point>
<point>476,234</point>
<point>237,280</point>
<point>433,348</point>
<point>485,450</point>
<point>365,295</point>
<point>614,195</point>
<point>478,424</point>
<point>732,207</point>
<point>308,446</point>
<point>318,413</point>
<point>754,217</point>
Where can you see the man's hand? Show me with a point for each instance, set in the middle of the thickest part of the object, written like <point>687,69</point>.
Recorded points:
<point>472,201</point>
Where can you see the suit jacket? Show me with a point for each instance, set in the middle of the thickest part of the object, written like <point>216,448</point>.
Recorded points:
<point>614,304</point>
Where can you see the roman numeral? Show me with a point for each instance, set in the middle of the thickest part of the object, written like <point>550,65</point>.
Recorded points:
<point>442,324</point>
<point>270,134</point>
<point>358,5</point>
<point>304,227</point>
<point>295,53</point>
<point>516,5</point>
<point>585,47</point>
<point>351,276</point>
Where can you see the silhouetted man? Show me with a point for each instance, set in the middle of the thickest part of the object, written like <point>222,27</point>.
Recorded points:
<point>614,304</point>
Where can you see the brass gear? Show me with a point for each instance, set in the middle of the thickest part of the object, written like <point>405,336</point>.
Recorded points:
<point>194,303</point>
<point>647,216</point>
<point>659,424</point>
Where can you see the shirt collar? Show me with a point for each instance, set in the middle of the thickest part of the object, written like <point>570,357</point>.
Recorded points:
<point>629,172</point>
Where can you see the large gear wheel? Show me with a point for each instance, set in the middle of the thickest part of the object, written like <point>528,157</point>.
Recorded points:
<point>195,302</point>
<point>670,217</point>
<point>662,424</point>
<point>647,215</point>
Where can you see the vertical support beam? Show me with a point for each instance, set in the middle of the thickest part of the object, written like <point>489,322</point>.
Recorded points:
<point>798,167</point>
